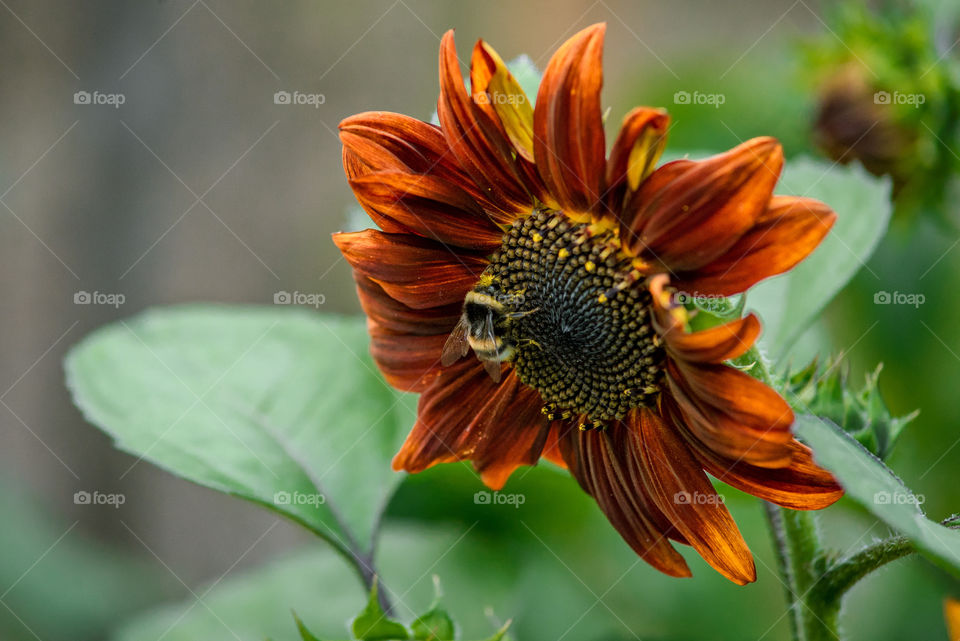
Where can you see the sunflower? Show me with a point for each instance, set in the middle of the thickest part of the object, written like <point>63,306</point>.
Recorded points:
<point>509,230</point>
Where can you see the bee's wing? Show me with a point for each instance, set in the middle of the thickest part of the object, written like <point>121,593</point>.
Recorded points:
<point>492,366</point>
<point>456,346</point>
<point>493,369</point>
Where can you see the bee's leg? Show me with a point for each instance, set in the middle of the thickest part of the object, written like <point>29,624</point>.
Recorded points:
<point>522,314</point>
<point>523,342</point>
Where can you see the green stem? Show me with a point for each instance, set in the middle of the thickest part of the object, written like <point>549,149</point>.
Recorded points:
<point>800,557</point>
<point>843,574</point>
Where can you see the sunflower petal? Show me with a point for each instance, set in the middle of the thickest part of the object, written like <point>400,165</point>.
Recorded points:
<point>420,273</point>
<point>568,123</point>
<point>444,414</point>
<point>475,140</point>
<point>603,469</point>
<point>802,485</point>
<point>787,232</point>
<point>716,429</point>
<point>406,361</point>
<point>680,489</point>
<point>698,210</point>
<point>395,317</point>
<point>714,345</point>
<point>430,206</point>
<point>498,93</point>
<point>635,152</point>
<point>512,432</point>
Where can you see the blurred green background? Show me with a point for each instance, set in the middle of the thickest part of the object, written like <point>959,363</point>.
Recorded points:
<point>200,187</point>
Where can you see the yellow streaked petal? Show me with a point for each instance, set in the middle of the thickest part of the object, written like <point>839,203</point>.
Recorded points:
<point>510,103</point>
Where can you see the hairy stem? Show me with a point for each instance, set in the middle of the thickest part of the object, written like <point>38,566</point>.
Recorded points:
<point>800,557</point>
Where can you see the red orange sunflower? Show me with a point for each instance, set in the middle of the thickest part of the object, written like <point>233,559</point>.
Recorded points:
<point>509,231</point>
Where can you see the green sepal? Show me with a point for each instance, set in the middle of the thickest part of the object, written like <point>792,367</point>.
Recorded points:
<point>372,623</point>
<point>826,392</point>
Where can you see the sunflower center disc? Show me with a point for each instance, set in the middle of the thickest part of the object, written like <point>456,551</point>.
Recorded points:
<point>580,326</point>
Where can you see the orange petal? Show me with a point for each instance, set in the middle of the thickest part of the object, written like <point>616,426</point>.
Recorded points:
<point>685,495</point>
<point>405,360</point>
<point>721,431</point>
<point>354,167</point>
<point>476,141</point>
<point>787,232</point>
<point>713,345</point>
<point>568,124</point>
<point>497,92</point>
<point>737,394</point>
<point>951,612</point>
<point>601,462</point>
<point>384,141</point>
<point>551,448</point>
<point>698,210</point>
<point>444,414</point>
<point>418,272</point>
<point>394,316</point>
<point>635,152</point>
<point>511,432</point>
<point>465,415</point>
<point>802,485</point>
<point>430,206</point>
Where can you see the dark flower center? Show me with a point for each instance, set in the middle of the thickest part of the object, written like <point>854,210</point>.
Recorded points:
<point>577,317</point>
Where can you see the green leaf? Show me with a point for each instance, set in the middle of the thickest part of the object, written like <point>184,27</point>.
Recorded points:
<point>501,634</point>
<point>305,634</point>
<point>280,406</point>
<point>789,303</point>
<point>874,486</point>
<point>372,623</point>
<point>435,624</point>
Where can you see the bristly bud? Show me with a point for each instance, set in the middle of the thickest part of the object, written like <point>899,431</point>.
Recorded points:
<point>826,392</point>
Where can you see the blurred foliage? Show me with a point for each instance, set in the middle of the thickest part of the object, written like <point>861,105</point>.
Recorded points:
<point>43,561</point>
<point>890,96</point>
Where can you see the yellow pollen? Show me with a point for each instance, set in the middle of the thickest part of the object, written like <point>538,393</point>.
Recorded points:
<point>536,237</point>
<point>602,298</point>
<point>563,253</point>
<point>589,266</point>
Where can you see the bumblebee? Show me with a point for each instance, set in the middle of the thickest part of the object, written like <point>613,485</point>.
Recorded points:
<point>483,327</point>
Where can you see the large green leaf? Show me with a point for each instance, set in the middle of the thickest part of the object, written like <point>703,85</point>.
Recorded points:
<point>871,484</point>
<point>281,406</point>
<point>789,303</point>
